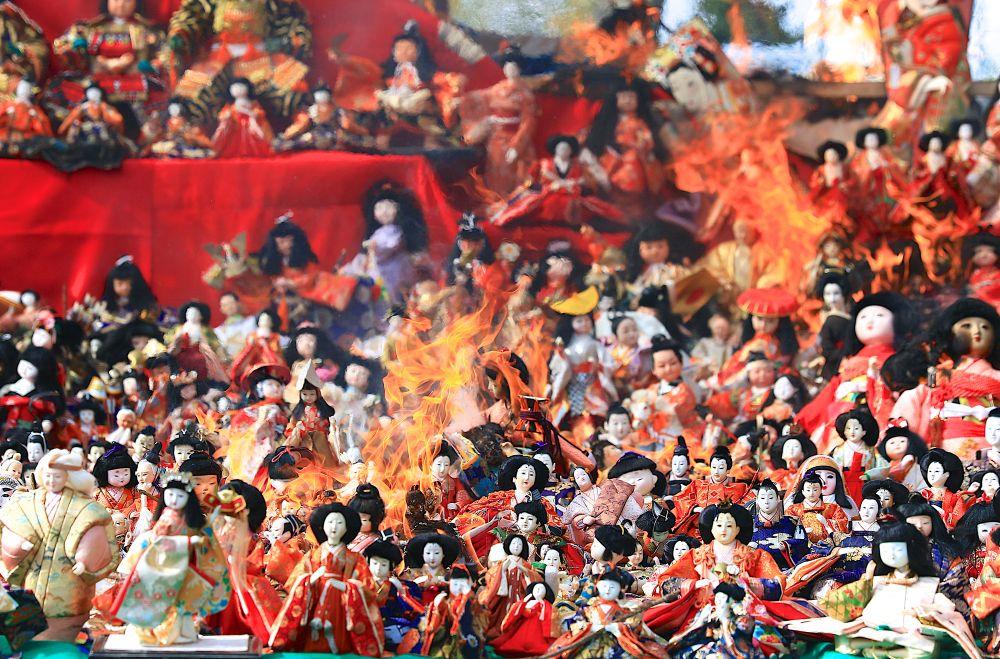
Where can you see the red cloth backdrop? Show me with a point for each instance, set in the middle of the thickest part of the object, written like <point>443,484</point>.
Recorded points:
<point>59,230</point>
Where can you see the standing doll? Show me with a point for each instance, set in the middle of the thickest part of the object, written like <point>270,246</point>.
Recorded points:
<point>395,237</point>
<point>857,454</point>
<point>981,252</point>
<point>934,181</point>
<point>115,472</point>
<point>580,372</point>
<point>507,583</point>
<point>879,180</point>
<point>447,489</point>
<point>832,184</point>
<point>368,503</point>
<point>244,131</point>
<point>944,473</point>
<point>767,330</point>
<point>309,421</point>
<point>971,534</point>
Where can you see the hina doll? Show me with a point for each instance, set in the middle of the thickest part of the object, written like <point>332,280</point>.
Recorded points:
<point>832,479</point>
<point>311,346</point>
<point>934,181</point>
<point>186,443</point>
<point>91,420</point>
<point>115,472</point>
<point>355,396</point>
<point>23,124</point>
<point>321,125</point>
<point>503,117</point>
<point>832,184</point>
<point>395,237</point>
<point>881,322</point>
<point>309,422</point>
<point>648,253</point>
<point>711,352</point>
<point>756,398</point>
<point>147,475</point>
<point>820,519</point>
<point>368,503</point>
<point>428,557</point>
<point>94,135</point>
<point>244,130</point>
<point>944,473</point>
<point>263,346</point>
<point>601,625</point>
<point>57,540</point>
<point>447,490</point>
<point>786,456</point>
<point>624,143</point>
<point>630,353</point>
<point>857,455</point>
<point>742,263</point>
<point>453,624</point>
<point>835,317</point>
<point>971,535</point>
<point>126,294</point>
<point>983,485</point>
<point>531,625</point>
<point>981,251</point>
<point>964,151</point>
<point>35,395</point>
<point>674,411</point>
<point>177,136</point>
<point>902,449</point>
<point>888,493</point>
<point>622,496</point>
<point>580,372</point>
<point>560,193</point>
<point>560,275</point>
<point>779,535</point>
<point>164,607</point>
<point>285,539</point>
<point>944,409</point>
<point>699,494</point>
<point>680,469</point>
<point>235,327</point>
<point>398,601</point>
<point>194,345</point>
<point>334,587</point>
<point>581,507</point>
<point>211,44</point>
<point>982,597</point>
<point>767,330</point>
<point>25,51</point>
<point>507,582</point>
<point>878,180</point>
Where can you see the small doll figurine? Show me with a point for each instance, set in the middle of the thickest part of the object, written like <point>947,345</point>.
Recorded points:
<point>617,428</point>
<point>694,498</point>
<point>943,472</point>
<point>471,252</point>
<point>981,252</point>
<point>927,520</point>
<point>964,150</point>
<point>531,625</point>
<point>368,503</point>
<point>311,345</point>
<point>92,420</point>
<point>164,607</point>
<point>582,504</point>
<point>321,125</point>
<point>507,582</point>
<point>194,345</point>
<point>648,254</point>
<point>580,372</point>
<point>126,294</point>
<point>177,136</point>
<point>447,489</point>
<point>94,134</point>
<point>622,497</point>
<point>630,352</point>
<point>971,534</point>
<point>335,586</point>
<point>35,395</point>
<point>878,179</point>
<point>677,546</point>
<point>889,494</point>
<point>206,478</point>
<point>309,421</point>
<point>453,623</point>
<point>786,455</point>
<point>820,519</point>
<point>680,469</point>
<point>833,483</point>
<point>742,403</point>
<point>777,534</point>
<point>857,455</point>
<point>262,347</point>
<point>143,442</point>
<point>767,330</point>
<point>832,184</point>
<point>854,550</point>
<point>395,237</point>
<point>935,181</point>
<point>902,449</point>
<point>984,485</point>
<point>674,411</point>
<point>147,475</point>
<point>115,472</point>
<point>63,576</point>
<point>560,195</point>
<point>244,130</point>
<point>186,443</point>
<point>23,124</point>
<point>95,450</point>
<point>284,539</point>
<point>399,601</point>
<point>833,289</point>
<point>428,557</point>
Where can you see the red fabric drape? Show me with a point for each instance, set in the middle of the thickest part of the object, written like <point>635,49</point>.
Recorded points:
<point>61,230</point>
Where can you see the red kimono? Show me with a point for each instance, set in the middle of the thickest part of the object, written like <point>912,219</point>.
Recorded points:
<point>952,504</point>
<point>258,350</point>
<point>984,284</point>
<point>703,493</point>
<point>815,529</point>
<point>254,601</point>
<point>243,134</point>
<point>529,629</point>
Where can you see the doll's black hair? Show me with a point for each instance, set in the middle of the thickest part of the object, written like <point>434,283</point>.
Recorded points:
<point>368,500</point>
<point>141,298</point>
<point>384,549</point>
<point>202,464</point>
<point>409,215</point>
<point>505,479</point>
<point>917,547</point>
<point>561,251</point>
<point>744,521</point>
<point>925,140</point>
<point>325,348</point>
<point>256,505</point>
<point>48,370</point>
<point>862,415</point>
<point>203,309</point>
<point>564,326</point>
<point>88,403</point>
<point>966,532</point>
<point>193,516</point>
<point>8,360</point>
<point>668,547</point>
<point>323,408</point>
<point>956,124</point>
<point>525,547</point>
<point>413,557</point>
<point>188,436</point>
<point>808,449</point>
<point>603,129</point>
<point>916,446</point>
<point>352,521</point>
<point>721,453</point>
<point>811,478</point>
<point>840,493</point>
<point>271,262</point>
<point>788,342</point>
<point>532,507</point>
<point>951,463</point>
<point>615,539</point>
<point>918,506</point>
<point>896,490</point>
<point>881,133</point>
<point>116,457</point>
<point>657,298</point>
<point>677,240</point>
<point>425,65</point>
<point>839,147</point>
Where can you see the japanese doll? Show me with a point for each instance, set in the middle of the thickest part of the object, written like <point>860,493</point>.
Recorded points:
<point>115,472</point>
<point>855,550</point>
<point>832,479</point>
<point>944,473</point>
<point>767,330</point>
<point>819,518</point>
<point>879,179</point>
<point>580,372</point>
<point>309,421</point>
<point>395,238</point>
<point>560,192</point>
<point>779,535</point>
<point>648,260</point>
<point>832,184</point>
<point>531,626</point>
<point>57,540</point>
<point>453,624</point>
<point>428,557</point>
<point>368,503</point>
<point>22,122</point>
<point>981,251</point>
<point>263,346</point>
<point>927,520</point>
<point>983,598</point>
<point>972,533</point>
<point>399,601</point>
<point>882,322</point>
<point>961,344</point>
<point>503,118</point>
<point>35,395</point>
<point>856,455</point>
<point>194,345</point>
<point>699,494</point>
<point>786,455</point>
<point>175,575</point>
<point>674,401</point>
<point>334,586</point>
<point>25,52</point>
<point>211,44</point>
<point>447,490</point>
<point>507,582</point>
<point>902,449</point>
<point>935,181</point>
<point>964,150</point>
<point>94,131</point>
<point>244,130</point>
<point>177,135</point>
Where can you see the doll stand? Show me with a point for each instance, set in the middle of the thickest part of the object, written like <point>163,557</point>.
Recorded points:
<point>125,646</point>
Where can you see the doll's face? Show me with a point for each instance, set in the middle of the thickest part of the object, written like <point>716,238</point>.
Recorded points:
<point>724,529</point>
<point>744,233</point>
<point>609,590</point>
<point>385,211</point>
<point>380,568</point>
<point>667,366</point>
<point>993,430</point>
<point>357,376</point>
<point>193,315</point>
<point>130,387</point>
<point>984,530</point>
<point>583,324</point>
<point>618,426</point>
<point>440,467</point>
<point>679,465</point>
<point>690,89</point>
<point>94,95</point>
<point>812,491</point>
<point>984,256</point>
<point>977,333</point>
<point>896,446</point>
<point>871,141</point>
<point>269,389</point>
<point>119,477</point>
<point>511,70</point>
<point>405,50</point>
<point>784,389</point>
<point>321,96</point>
<point>12,468</point>
<point>868,511</point>
<point>239,90</point>
<point>285,245</point>
<point>182,453</point>
<point>121,8</point>
<point>551,559</point>
<point>965,132</point>
<point>653,252</point>
<point>278,532</point>
<point>175,110</point>
<point>308,396</point>
<point>516,547</point>
<point>885,498</point>
<point>54,480</point>
<point>122,287</point>
<point>205,487</point>
<point>831,157</point>
<point>366,522</point>
<point>627,101</point>
<point>93,454</point>
<point>643,481</point>
<point>335,527</point>
<point>24,90</point>
<point>537,591</point>
<point>527,524</point>
<point>175,498</point>
<point>680,548</point>
<point>582,479</point>
<point>935,145</point>
<point>874,326</point>
<point>763,325</point>
<point>458,586</point>
<point>627,333</point>
<point>767,500</point>
<point>831,249</point>
<point>560,268</point>
<point>829,481</point>
<point>305,344</point>
<point>936,475</point>
<point>188,392</point>
<point>922,523</point>
<point>433,554</point>
<point>720,328</point>
<point>145,473</point>
<point>833,296</point>
<point>524,477</point>
<point>894,554</point>
<point>991,483</point>
<point>760,374</point>
<point>27,371</point>
<point>854,431</point>
<point>563,150</point>
<point>86,417</point>
<point>719,469</point>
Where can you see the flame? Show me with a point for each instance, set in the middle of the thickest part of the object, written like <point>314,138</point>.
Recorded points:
<point>740,43</point>
<point>883,262</point>
<point>848,33</point>
<point>629,47</point>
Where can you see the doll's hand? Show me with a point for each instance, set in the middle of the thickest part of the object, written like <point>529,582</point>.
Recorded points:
<point>907,460</point>
<point>79,568</point>
<point>974,487</point>
<point>26,546</point>
<point>511,156</point>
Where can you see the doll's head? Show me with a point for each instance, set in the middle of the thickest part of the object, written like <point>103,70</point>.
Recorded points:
<point>444,460</point>
<point>779,327</point>
<point>676,547</point>
<point>900,547</point>
<point>197,313</point>
<point>285,528</point>
<point>809,489</point>
<point>387,203</point>
<point>719,464</point>
<point>789,451</point>
<point>981,250</point>
<point>38,365</point>
<point>409,47</point>
<point>626,331</point>
<point>899,441</point>
<point>583,479</point>
<point>91,412</point>
<point>460,581</point>
<point>869,509</point>
<point>988,481</point>
<point>611,544</point>
<point>609,585</point>
<point>94,93</point>
<point>286,244</point>
<point>640,472</point>
<point>934,141</point>
<point>833,289</point>
<point>125,286</point>
<point>59,469</point>
<point>768,499</point>
<point>668,359</point>
<point>618,424</point>
<point>511,62</point>
<point>656,523</point>
<point>680,460</point>
<point>206,476</point>
<point>871,138</point>
<point>383,559</point>
<point>368,504</point>
<point>563,147</point>
<point>725,523</point>
<point>926,518</point>
<point>975,527</point>
<point>832,152</point>
<point>625,98</point>
<point>964,128</point>
<point>186,443</point>
<point>522,473</point>
<point>858,426</point>
<point>942,468</point>
<point>530,516</point>
<point>433,550</point>
<point>691,82</point>
<point>516,545</point>
<point>115,468</point>
<point>760,372</point>
<point>889,493</point>
<point>831,477</point>
<point>256,506</point>
<point>334,523</point>
<point>241,89</point>
<point>884,318</point>
<point>121,9</point>
<point>177,495</point>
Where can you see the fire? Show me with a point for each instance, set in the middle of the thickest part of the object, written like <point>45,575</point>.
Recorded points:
<point>740,43</point>
<point>847,32</point>
<point>884,263</point>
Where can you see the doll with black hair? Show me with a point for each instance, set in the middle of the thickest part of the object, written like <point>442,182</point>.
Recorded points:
<point>309,421</point>
<point>93,133</point>
<point>126,293</point>
<point>470,252</point>
<point>91,419</point>
<point>854,551</point>
<point>368,503</point>
<point>310,345</point>
<point>819,518</point>
<point>944,474</point>
<point>334,586</point>
<point>879,179</point>
<point>115,472</point>
<point>834,291</point>
<point>981,254</point>
<point>284,542</point>
<point>508,580</point>
<point>398,600</point>
<point>532,624</point>
<point>35,396</point>
<point>982,597</point>
<point>185,443</point>
<point>560,193</point>
<point>902,449</point>
<point>786,455</point>
<point>263,346</point>
<point>673,401</point>
<point>961,347</point>
<point>322,125</point>
<point>194,345</point>
<point>244,130</point>
<point>447,494</point>
<point>185,398</point>
<point>934,183</point>
<point>856,455</point>
<point>971,534</point>
<point>395,237</point>
<point>834,490</point>
<point>889,494</point>
<point>832,184</point>
<point>776,533</point>
<point>767,330</point>
<point>176,135</point>
<point>166,608</point>
<point>206,475</point>
<point>678,545</point>
<point>927,520</point>
<point>427,558</point>
<point>648,258</point>
<point>356,394</point>
<point>964,151</point>
<point>700,493</point>
<point>983,485</point>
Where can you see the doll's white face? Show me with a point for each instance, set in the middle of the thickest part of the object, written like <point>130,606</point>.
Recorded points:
<point>978,334</point>
<point>276,532</point>
<point>335,527</point>
<point>719,469</point>
<point>524,478</point>
<point>965,132</point>
<point>193,315</point>
<point>583,324</point>
<point>551,559</point>
<point>936,475</point>
<point>609,590</point>
<point>830,156</point>
<point>871,141</point>
<point>563,151</point>
<point>305,344</point>
<point>854,431</point>
<point>42,338</point>
<point>868,511</point>
<point>894,554</point>
<point>380,568</point>
<point>511,70</point>
<point>366,522</point>
<point>239,90</point>
<point>791,450</point>
<point>679,466</point>
<point>385,211</point>
<point>874,326</point>
<point>322,97</point>
<point>86,417</point>
<point>23,91</point>
<point>991,483</point>
<point>93,94</point>
<point>724,529</point>
<point>993,430</point>
<point>145,473</point>
<point>784,389</point>
<point>269,389</point>
<point>680,548</point>
<point>767,500</point>
<point>984,530</point>
<point>433,555</point>
<point>119,477</point>
<point>582,478</point>
<point>885,498</point>
<point>356,376</point>
<point>175,498</point>
<point>440,467</point>
<point>922,523</point>
<point>643,481</point>
<point>812,492</point>
<point>175,110</point>
<point>516,546</point>
<point>935,145</point>
<point>833,296</point>
<point>54,480</point>
<point>546,460</point>
<point>627,333</point>
<point>182,453</point>
<point>460,586</point>
<point>527,524</point>
<point>618,426</point>
<point>984,256</point>
<point>27,371</point>
<point>12,468</point>
<point>35,452</point>
<point>537,591</point>
<point>690,89</point>
<point>829,481</point>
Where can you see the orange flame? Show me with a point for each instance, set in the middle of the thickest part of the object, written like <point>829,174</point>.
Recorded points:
<point>740,42</point>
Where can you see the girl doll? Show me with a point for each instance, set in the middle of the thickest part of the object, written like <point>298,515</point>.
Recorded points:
<point>164,607</point>
<point>507,582</point>
<point>399,601</point>
<point>395,237</point>
<point>833,289</point>
<point>428,557</point>
<point>244,131</point>
<point>927,520</point>
<point>944,473</point>
<point>471,251</point>
<point>767,330</point>
<point>630,352</point>
<point>147,474</point>
<point>984,485</point>
<point>832,184</point>
<point>178,136</point>
<point>309,421</point>
<point>580,372</point>
<point>857,455</point>
<point>311,345</point>
<point>675,548</point>
<point>833,483</point>
<point>35,396</point>
<point>263,346</point>
<point>934,181</point>
<point>981,252</point>
<point>971,534</point>
<point>447,495</point>
<point>334,586</point>
<point>560,275</point>
<point>963,152</point>
<point>115,472</point>
<point>368,503</point>
<point>194,345</point>
<point>787,454</point>
<point>285,539</point>
<point>879,180</point>
<point>674,411</point>
<point>532,624</point>
<point>820,519</point>
<point>126,294</point>
<point>902,449</point>
<point>94,132</point>
<point>856,549</point>
<point>648,252</point>
<point>889,494</point>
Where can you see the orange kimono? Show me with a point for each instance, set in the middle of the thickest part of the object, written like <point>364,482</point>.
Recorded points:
<point>703,493</point>
<point>505,587</point>
<point>816,530</point>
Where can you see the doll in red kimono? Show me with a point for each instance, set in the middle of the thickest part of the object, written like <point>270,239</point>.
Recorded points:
<point>531,626</point>
<point>507,582</point>
<point>935,182</point>
<point>673,400</point>
<point>767,330</point>
<point>447,490</point>
<point>22,122</point>
<point>879,180</point>
<point>263,346</point>
<point>981,253</point>
<point>944,473</point>
<point>693,499</point>
<point>832,184</point>
<point>819,518</point>
<point>115,472</point>
<point>244,130</point>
